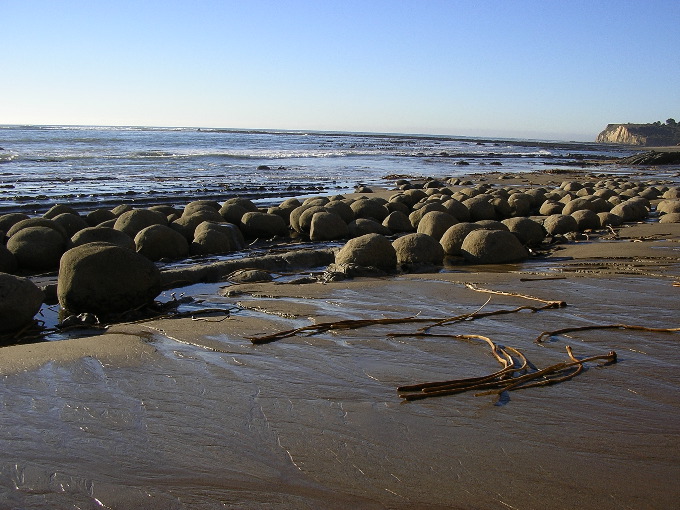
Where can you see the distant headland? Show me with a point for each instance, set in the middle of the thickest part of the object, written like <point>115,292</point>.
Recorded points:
<point>654,134</point>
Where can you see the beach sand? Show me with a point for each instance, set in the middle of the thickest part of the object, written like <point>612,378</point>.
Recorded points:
<point>189,413</point>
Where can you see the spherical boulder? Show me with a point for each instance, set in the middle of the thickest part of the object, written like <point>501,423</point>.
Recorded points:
<point>586,219</point>
<point>20,300</point>
<point>99,216</point>
<point>161,242</point>
<point>370,250</point>
<point>417,250</point>
<point>398,222</point>
<point>102,235</point>
<point>72,223</point>
<point>528,231</point>
<point>363,226</point>
<point>492,247</point>
<point>670,218</point>
<point>369,208</point>
<point>37,222</point>
<point>58,209</point>
<point>216,239</point>
<point>560,224</point>
<point>480,208</point>
<point>453,238</point>
<point>327,226</point>
<point>7,221</point>
<point>105,279</point>
<point>550,207</point>
<point>131,222</point>
<point>8,262</point>
<point>668,206</point>
<point>37,248</point>
<point>259,224</point>
<point>435,223</point>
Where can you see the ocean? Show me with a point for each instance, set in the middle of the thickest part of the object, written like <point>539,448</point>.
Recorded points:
<point>91,167</point>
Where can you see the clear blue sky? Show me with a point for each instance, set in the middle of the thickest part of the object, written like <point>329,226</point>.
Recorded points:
<point>546,69</point>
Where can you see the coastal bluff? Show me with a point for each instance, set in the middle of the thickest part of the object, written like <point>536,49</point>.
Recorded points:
<point>646,135</point>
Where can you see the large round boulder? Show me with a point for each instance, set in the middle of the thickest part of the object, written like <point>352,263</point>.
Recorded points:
<point>102,235</point>
<point>327,226</point>
<point>58,209</point>
<point>369,208</point>
<point>7,221</point>
<point>363,226</point>
<point>72,223</point>
<point>99,216</point>
<point>586,219</point>
<point>216,238</point>
<point>560,224</point>
<point>259,224</point>
<point>131,222</point>
<point>8,262</point>
<point>37,222</point>
<point>398,221</point>
<point>480,208</point>
<point>452,240</point>
<point>492,247</point>
<point>418,250</point>
<point>161,242</point>
<point>370,250</point>
<point>20,300</point>
<point>670,218</point>
<point>528,231</point>
<point>37,248</point>
<point>435,223</point>
<point>105,279</point>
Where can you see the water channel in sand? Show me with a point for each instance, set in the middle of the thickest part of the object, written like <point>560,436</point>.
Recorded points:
<point>207,420</point>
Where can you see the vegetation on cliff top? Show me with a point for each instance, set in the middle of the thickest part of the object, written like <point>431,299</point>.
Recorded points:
<point>654,134</point>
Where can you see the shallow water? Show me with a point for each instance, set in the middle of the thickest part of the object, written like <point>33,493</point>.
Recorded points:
<point>93,167</point>
<point>315,422</point>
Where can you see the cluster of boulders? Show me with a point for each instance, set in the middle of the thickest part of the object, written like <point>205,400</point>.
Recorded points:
<point>106,257</point>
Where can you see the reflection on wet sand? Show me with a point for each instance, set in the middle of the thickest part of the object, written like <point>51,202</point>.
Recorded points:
<point>190,414</point>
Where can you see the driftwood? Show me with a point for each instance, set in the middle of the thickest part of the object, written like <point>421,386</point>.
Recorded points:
<point>546,334</point>
<point>513,375</point>
<point>436,322</point>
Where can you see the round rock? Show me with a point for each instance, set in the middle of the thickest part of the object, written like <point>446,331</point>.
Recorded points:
<point>20,300</point>
<point>418,249</point>
<point>105,279</point>
<point>370,250</point>
<point>492,247</point>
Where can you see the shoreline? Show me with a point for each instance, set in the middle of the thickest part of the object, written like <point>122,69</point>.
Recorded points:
<point>192,413</point>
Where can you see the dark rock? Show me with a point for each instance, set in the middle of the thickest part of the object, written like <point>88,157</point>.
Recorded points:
<point>435,223</point>
<point>20,300</point>
<point>216,238</point>
<point>452,240</point>
<point>105,279</point>
<point>102,235</point>
<point>259,224</point>
<point>37,248</point>
<point>370,250</point>
<point>418,249</point>
<point>529,232</point>
<point>327,226</point>
<point>492,247</point>
<point>99,216</point>
<point>131,222</point>
<point>161,242</point>
<point>363,226</point>
<point>72,223</point>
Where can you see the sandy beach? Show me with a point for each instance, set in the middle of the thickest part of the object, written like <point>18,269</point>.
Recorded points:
<point>187,412</point>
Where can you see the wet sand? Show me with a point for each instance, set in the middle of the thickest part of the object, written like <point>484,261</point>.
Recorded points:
<point>187,413</point>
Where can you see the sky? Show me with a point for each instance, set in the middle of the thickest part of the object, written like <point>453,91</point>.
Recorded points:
<point>542,69</point>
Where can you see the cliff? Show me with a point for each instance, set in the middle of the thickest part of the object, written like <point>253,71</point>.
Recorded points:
<point>649,135</point>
